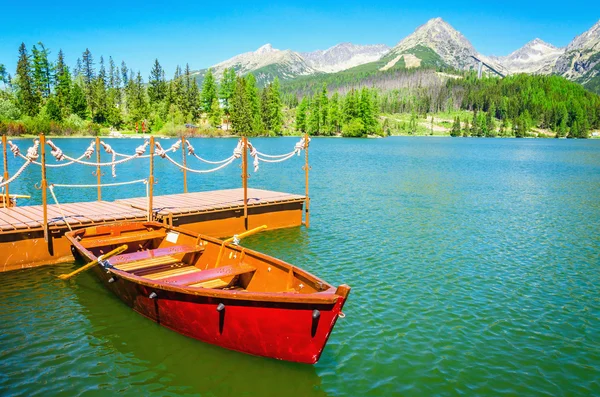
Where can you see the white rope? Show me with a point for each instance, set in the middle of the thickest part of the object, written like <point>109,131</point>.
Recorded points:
<point>57,153</point>
<point>289,156</point>
<point>101,185</point>
<point>275,158</point>
<point>200,171</point>
<point>162,152</point>
<point>16,175</point>
<point>193,153</point>
<point>51,188</point>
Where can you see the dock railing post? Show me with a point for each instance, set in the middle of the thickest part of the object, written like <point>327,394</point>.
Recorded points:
<point>5,157</point>
<point>184,164</point>
<point>151,181</point>
<point>245,179</point>
<point>98,171</point>
<point>44,185</point>
<point>306,169</point>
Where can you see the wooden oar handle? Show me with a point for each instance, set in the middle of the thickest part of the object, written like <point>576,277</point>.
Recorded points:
<point>114,252</point>
<point>246,234</point>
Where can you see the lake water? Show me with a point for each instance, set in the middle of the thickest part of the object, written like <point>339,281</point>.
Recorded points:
<point>474,266</point>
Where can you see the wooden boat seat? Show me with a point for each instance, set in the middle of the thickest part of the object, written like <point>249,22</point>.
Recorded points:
<point>147,263</point>
<point>128,238</point>
<point>211,278</point>
<point>155,253</point>
<point>175,271</point>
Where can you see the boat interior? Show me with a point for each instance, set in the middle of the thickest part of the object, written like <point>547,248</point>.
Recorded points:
<point>180,258</point>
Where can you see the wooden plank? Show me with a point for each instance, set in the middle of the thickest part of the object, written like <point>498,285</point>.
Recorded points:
<point>18,221</point>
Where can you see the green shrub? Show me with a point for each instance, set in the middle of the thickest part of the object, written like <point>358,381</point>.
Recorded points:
<point>8,110</point>
<point>353,129</point>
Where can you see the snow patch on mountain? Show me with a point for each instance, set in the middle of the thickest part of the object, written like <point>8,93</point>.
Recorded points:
<point>344,56</point>
<point>287,63</point>
<point>536,57</point>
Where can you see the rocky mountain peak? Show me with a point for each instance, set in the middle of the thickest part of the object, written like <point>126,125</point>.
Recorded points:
<point>536,56</point>
<point>265,49</point>
<point>587,40</point>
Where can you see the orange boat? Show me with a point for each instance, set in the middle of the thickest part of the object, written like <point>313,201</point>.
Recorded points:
<point>215,291</point>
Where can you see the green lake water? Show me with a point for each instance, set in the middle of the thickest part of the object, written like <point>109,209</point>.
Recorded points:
<point>474,266</point>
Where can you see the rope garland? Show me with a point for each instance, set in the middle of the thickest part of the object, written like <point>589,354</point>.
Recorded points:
<point>51,188</point>
<point>101,185</point>
<point>16,175</point>
<point>193,153</point>
<point>200,171</point>
<point>32,155</point>
<point>276,158</point>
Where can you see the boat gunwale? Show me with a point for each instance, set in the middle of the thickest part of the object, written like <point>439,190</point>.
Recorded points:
<point>328,296</point>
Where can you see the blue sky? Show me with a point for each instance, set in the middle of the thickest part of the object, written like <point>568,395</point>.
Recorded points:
<point>203,34</point>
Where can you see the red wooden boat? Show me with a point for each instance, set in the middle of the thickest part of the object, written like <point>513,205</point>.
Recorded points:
<point>215,291</point>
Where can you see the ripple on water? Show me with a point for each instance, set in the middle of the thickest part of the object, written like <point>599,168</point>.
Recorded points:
<point>473,265</point>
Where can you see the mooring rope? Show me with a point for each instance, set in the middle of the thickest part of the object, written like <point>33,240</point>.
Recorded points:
<point>51,188</point>
<point>16,175</point>
<point>101,185</point>
<point>53,185</point>
<point>275,158</point>
<point>193,153</point>
<point>237,153</point>
<point>200,171</point>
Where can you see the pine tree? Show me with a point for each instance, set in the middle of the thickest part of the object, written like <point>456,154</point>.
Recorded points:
<point>78,102</point>
<point>455,127</point>
<point>27,97</point>
<point>314,116</point>
<point>136,100</point>
<point>467,129</point>
<point>275,108</point>
<point>3,75</point>
<point>42,71</point>
<point>193,99</point>
<point>89,76</point>
<point>156,84</point>
<point>324,109</point>
<point>99,96</point>
<point>240,108</point>
<point>216,114</point>
<point>63,84</point>
<point>52,110</point>
<point>178,90</point>
<point>301,115</point>
<point>124,75</point>
<point>254,101</point>
<point>227,87</point>
<point>209,91</point>
<point>265,115</point>
<point>334,114</point>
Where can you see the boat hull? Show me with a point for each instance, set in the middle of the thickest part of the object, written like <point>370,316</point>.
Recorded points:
<point>291,331</point>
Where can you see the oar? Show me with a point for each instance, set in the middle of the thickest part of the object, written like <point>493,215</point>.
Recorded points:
<point>238,237</point>
<point>246,234</point>
<point>114,252</point>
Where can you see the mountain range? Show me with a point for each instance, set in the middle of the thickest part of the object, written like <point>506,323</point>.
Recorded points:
<point>435,44</point>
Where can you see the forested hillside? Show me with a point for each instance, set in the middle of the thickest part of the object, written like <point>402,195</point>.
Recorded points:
<point>48,97</point>
<point>97,95</point>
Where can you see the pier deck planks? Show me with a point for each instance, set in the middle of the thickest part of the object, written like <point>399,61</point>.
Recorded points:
<point>77,214</point>
<point>200,202</point>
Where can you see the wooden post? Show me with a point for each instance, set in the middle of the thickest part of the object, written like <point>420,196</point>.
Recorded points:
<point>306,169</point>
<point>98,171</point>
<point>184,164</point>
<point>151,181</point>
<point>44,185</point>
<point>245,179</point>
<point>5,156</point>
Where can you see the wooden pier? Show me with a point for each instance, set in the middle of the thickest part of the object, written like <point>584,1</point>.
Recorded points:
<point>34,235</point>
